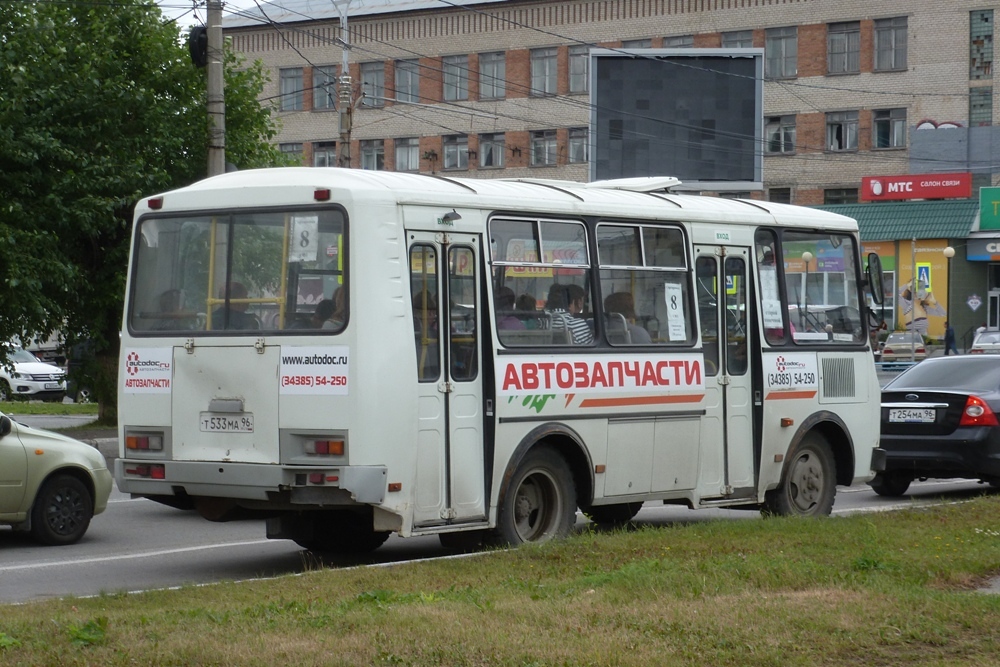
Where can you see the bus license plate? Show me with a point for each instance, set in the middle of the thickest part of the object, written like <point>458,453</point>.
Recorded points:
<point>218,423</point>
<point>912,415</point>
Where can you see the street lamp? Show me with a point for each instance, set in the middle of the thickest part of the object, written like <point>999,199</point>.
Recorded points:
<point>806,257</point>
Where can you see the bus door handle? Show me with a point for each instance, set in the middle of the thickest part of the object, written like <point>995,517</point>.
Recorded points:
<point>756,397</point>
<point>489,407</point>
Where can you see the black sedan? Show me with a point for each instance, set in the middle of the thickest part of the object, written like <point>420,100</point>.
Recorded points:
<point>939,419</point>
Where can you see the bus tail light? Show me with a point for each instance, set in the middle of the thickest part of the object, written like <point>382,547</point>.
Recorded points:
<point>154,471</point>
<point>325,447</point>
<point>144,442</point>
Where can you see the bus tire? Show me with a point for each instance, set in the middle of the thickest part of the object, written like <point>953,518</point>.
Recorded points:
<point>62,511</point>
<point>808,482</point>
<point>891,484</point>
<point>613,515</point>
<point>342,533</point>
<point>540,501</point>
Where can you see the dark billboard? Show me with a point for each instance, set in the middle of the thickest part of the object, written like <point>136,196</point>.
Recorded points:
<point>696,114</point>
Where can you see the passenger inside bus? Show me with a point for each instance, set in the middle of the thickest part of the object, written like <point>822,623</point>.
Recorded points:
<point>506,318</point>
<point>527,309</point>
<point>339,316</point>
<point>623,305</point>
<point>236,316</point>
<point>565,303</point>
<point>171,316</point>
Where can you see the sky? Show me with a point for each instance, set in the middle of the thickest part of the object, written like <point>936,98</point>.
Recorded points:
<point>182,10</point>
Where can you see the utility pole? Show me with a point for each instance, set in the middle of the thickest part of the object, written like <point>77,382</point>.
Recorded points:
<point>216,92</point>
<point>345,105</point>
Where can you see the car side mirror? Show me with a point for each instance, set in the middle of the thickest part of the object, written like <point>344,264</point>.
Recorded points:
<point>4,425</point>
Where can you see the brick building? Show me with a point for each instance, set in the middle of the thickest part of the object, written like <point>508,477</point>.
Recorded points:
<point>484,89</point>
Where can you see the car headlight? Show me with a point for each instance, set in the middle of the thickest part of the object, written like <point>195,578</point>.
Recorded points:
<point>21,376</point>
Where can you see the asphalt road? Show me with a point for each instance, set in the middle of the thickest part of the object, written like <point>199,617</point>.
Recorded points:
<point>140,545</point>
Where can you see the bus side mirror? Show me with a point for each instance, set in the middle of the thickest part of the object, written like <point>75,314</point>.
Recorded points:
<point>4,425</point>
<point>875,278</point>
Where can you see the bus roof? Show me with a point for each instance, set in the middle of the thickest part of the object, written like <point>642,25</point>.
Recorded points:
<point>632,198</point>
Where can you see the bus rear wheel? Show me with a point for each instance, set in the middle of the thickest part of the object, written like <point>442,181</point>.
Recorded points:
<point>808,482</point>
<point>540,502</point>
<point>613,515</point>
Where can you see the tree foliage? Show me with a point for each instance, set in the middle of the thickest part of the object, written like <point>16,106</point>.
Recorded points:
<point>99,106</point>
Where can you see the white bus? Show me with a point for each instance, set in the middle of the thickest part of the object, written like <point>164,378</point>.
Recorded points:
<point>353,353</point>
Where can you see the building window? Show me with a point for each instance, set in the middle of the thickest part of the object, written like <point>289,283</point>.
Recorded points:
<point>543,148</point>
<point>780,132</point>
<point>579,69</point>
<point>324,87</point>
<point>781,52</point>
<point>980,107</point>
<point>543,72</point>
<point>455,70</point>
<point>738,39</point>
<point>578,145</point>
<point>981,44</point>
<point>456,151</point>
<point>373,84</point>
<point>840,196</point>
<point>291,150</point>
<point>290,81</point>
<point>678,42</point>
<point>890,44</point>
<point>843,48</point>
<point>492,75</point>
<point>491,147</point>
<point>637,43</point>
<point>372,154</point>
<point>408,154</point>
<point>407,81</point>
<point>842,131</point>
<point>325,154</point>
<point>889,128</point>
<point>779,195</point>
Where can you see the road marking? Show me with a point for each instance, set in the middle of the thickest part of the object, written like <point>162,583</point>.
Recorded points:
<point>145,554</point>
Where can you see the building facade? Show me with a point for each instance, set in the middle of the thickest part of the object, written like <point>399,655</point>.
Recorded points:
<point>852,88</point>
<point>486,89</point>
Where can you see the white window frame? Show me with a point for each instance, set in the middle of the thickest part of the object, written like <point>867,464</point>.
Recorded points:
<point>456,151</point>
<point>890,44</point>
<point>492,75</point>
<point>455,78</point>
<point>373,84</point>
<point>544,71</point>
<point>324,88</point>
<point>373,154</point>
<point>843,47</point>
<point>781,52</point>
<point>779,131</point>
<point>890,123</point>
<point>408,154</point>
<point>579,68</point>
<point>578,145</point>
<point>847,124</point>
<point>491,150</point>
<point>407,81</point>
<point>290,89</point>
<point>544,148</point>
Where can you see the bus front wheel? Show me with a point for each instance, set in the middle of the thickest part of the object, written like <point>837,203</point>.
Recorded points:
<point>808,482</point>
<point>540,502</point>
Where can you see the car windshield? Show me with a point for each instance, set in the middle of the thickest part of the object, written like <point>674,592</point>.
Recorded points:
<point>972,374</point>
<point>19,356</point>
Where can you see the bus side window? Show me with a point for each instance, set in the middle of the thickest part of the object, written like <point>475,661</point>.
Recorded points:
<point>708,311</point>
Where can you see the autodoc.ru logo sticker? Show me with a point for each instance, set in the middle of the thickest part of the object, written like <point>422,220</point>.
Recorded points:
<point>148,371</point>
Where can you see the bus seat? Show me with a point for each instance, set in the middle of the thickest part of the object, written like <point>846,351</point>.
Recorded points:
<point>618,333</point>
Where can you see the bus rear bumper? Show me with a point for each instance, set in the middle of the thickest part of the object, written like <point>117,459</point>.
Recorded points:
<point>299,485</point>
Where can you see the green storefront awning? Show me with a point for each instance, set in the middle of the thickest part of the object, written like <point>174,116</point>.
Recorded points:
<point>896,221</point>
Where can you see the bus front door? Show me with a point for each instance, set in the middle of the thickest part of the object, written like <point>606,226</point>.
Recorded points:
<point>728,459</point>
<point>445,283</point>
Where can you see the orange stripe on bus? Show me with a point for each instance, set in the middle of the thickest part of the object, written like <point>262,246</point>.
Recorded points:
<point>639,400</point>
<point>789,394</point>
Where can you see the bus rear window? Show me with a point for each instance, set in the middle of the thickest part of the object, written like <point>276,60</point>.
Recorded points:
<point>248,272</point>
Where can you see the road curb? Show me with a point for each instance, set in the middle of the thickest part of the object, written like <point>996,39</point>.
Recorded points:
<point>106,446</point>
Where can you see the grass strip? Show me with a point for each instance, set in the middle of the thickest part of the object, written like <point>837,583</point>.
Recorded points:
<point>882,589</point>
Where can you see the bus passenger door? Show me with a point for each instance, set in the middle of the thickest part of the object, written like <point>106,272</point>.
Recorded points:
<point>728,459</point>
<point>444,275</point>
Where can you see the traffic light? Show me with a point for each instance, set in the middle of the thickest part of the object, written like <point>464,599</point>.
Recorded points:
<point>198,45</point>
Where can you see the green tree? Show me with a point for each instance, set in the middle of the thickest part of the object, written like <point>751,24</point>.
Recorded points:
<point>99,107</point>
